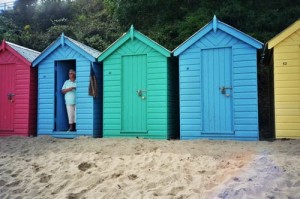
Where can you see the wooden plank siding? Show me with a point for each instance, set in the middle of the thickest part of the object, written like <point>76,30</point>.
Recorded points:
<point>157,91</point>
<point>25,96</point>
<point>287,86</point>
<point>85,104</point>
<point>244,83</point>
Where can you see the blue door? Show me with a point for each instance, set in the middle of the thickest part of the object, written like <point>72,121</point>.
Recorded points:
<point>62,74</point>
<point>217,91</point>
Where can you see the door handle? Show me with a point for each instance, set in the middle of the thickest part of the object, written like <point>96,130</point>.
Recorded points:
<point>140,92</point>
<point>10,96</point>
<point>223,90</point>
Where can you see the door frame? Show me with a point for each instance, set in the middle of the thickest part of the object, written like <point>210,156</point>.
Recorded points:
<point>56,65</point>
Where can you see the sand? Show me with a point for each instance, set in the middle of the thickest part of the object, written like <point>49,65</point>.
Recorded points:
<point>45,167</point>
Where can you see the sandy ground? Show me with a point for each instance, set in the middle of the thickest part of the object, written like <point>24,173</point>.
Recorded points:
<point>45,167</point>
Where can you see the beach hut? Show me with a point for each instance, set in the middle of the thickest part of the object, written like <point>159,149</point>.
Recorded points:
<point>140,89</point>
<point>285,58</point>
<point>17,90</point>
<point>218,84</point>
<point>53,65</point>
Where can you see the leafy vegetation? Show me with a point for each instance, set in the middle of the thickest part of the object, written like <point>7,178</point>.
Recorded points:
<point>98,23</point>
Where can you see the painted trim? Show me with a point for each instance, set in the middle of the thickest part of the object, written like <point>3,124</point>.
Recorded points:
<point>131,34</point>
<point>45,53</point>
<point>284,34</point>
<point>193,39</point>
<point>114,46</point>
<point>61,41</point>
<point>214,25</point>
<point>5,46</point>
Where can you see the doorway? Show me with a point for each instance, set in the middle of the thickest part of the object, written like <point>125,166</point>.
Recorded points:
<point>62,68</point>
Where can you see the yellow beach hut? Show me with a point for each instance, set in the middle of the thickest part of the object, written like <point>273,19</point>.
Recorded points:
<point>285,48</point>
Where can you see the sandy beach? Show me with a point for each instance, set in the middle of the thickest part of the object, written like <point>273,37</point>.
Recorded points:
<point>45,167</point>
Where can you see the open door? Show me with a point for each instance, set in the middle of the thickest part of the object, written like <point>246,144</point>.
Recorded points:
<point>61,75</point>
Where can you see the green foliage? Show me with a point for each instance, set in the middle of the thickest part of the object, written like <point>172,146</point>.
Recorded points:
<point>98,23</point>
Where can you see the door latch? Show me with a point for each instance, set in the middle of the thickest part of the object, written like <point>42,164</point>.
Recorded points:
<point>10,96</point>
<point>223,90</point>
<point>140,93</point>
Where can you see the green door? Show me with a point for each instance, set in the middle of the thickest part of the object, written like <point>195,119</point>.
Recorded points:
<point>134,94</point>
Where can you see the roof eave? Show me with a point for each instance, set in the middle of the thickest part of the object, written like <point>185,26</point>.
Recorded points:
<point>131,34</point>
<point>15,53</point>
<point>240,35</point>
<point>192,39</point>
<point>46,52</point>
<point>81,51</point>
<point>284,34</point>
<point>215,25</point>
<point>114,46</point>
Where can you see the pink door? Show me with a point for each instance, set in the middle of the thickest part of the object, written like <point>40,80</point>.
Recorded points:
<point>7,90</point>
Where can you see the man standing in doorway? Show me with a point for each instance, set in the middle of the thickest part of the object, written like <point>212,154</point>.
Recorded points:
<point>69,90</point>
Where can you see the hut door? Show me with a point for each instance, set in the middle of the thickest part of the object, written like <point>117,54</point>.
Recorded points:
<point>7,97</point>
<point>62,74</point>
<point>134,94</point>
<point>217,91</point>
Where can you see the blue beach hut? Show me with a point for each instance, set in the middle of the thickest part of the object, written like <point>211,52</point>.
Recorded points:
<point>53,65</point>
<point>218,84</point>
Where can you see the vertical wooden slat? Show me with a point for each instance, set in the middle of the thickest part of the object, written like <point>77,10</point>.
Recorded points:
<point>216,65</point>
<point>133,106</point>
<point>7,82</point>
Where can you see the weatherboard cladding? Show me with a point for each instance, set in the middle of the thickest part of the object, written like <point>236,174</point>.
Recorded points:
<point>24,102</point>
<point>88,109</point>
<point>286,62</point>
<point>243,70</point>
<point>158,92</point>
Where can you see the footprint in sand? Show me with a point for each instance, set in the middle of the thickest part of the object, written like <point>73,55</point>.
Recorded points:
<point>132,177</point>
<point>13,184</point>
<point>73,196</point>
<point>8,171</point>
<point>2,183</point>
<point>84,166</point>
<point>18,191</point>
<point>116,175</point>
<point>174,191</point>
<point>44,178</point>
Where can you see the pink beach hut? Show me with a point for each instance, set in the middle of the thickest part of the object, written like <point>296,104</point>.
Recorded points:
<point>17,90</point>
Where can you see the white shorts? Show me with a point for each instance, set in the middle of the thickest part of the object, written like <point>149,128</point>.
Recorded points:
<point>71,109</point>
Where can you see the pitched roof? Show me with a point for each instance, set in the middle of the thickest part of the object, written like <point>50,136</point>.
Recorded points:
<point>131,34</point>
<point>214,25</point>
<point>284,34</point>
<point>28,55</point>
<point>95,53</point>
<point>81,48</point>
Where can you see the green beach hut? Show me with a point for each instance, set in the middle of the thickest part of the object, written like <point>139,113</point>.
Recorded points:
<point>140,89</point>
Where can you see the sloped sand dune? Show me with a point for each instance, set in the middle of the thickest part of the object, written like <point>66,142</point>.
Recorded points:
<point>45,167</point>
